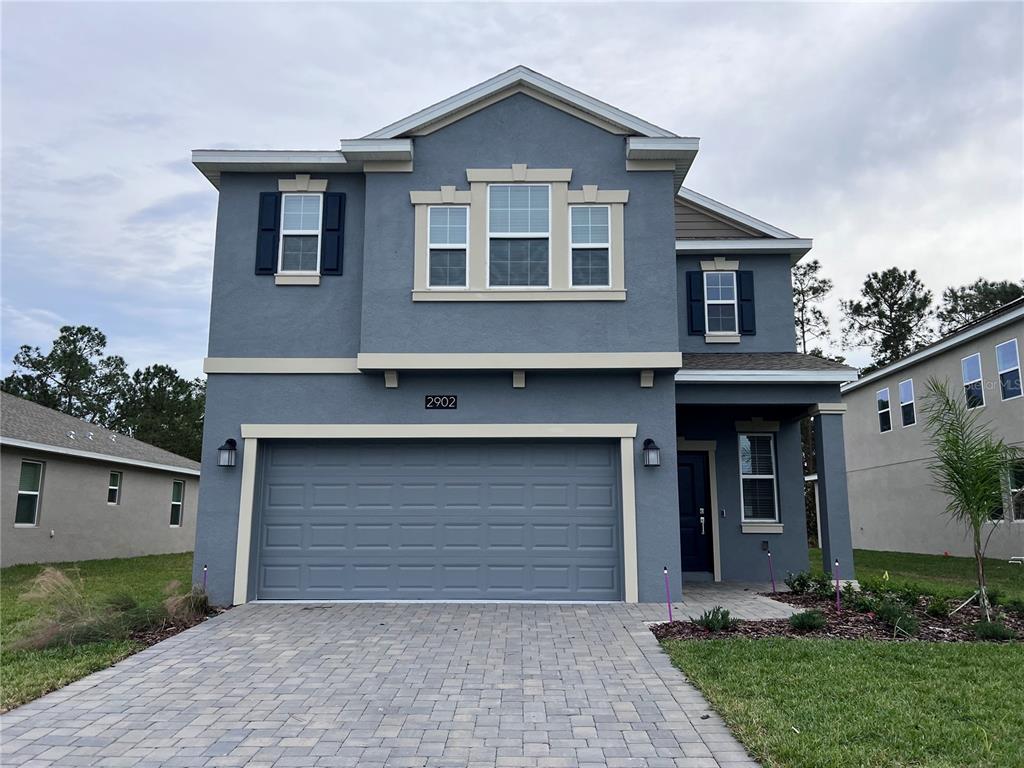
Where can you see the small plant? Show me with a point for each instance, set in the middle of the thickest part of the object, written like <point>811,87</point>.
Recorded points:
<point>715,620</point>
<point>937,608</point>
<point>896,616</point>
<point>993,630</point>
<point>858,600</point>
<point>188,608</point>
<point>995,595</point>
<point>808,621</point>
<point>1013,605</point>
<point>798,583</point>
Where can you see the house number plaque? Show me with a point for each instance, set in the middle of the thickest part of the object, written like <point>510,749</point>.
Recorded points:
<point>444,402</point>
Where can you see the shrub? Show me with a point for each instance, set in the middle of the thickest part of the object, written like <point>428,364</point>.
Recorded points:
<point>995,595</point>
<point>993,630</point>
<point>858,600</point>
<point>798,583</point>
<point>937,608</point>
<point>188,608</point>
<point>896,616</point>
<point>808,621</point>
<point>715,620</point>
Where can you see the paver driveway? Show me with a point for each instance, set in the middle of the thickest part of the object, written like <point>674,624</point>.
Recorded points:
<point>385,685</point>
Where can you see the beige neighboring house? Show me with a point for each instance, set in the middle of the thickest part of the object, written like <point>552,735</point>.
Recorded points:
<point>894,505</point>
<point>71,490</point>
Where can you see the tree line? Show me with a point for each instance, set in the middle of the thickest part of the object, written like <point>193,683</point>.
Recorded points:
<point>894,315</point>
<point>153,404</point>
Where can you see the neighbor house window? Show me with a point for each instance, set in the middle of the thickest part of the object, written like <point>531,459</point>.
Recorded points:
<point>177,502</point>
<point>447,244</point>
<point>1017,492</point>
<point>590,245</point>
<point>114,488</point>
<point>907,412</point>
<point>300,233</point>
<point>757,478</point>
<point>519,230</point>
<point>720,302</point>
<point>1008,366</point>
<point>974,387</point>
<point>30,483</point>
<point>884,412</point>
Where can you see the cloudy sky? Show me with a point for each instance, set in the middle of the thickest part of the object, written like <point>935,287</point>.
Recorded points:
<point>891,134</point>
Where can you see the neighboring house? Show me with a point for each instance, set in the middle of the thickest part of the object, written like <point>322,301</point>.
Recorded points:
<point>73,490</point>
<point>894,504</point>
<point>450,350</point>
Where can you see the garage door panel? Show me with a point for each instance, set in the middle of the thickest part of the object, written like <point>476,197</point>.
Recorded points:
<point>439,520</point>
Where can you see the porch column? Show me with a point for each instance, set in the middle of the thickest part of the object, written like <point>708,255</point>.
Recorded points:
<point>834,507</point>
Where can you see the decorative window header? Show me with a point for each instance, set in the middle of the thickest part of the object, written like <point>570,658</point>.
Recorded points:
<point>518,172</point>
<point>302,183</point>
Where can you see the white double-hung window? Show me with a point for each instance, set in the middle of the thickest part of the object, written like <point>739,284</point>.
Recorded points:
<point>30,484</point>
<point>720,302</point>
<point>518,235</point>
<point>974,386</point>
<point>114,488</point>
<point>757,478</point>
<point>590,245</point>
<point>300,233</point>
<point>908,413</point>
<point>447,244</point>
<point>1008,367</point>
<point>884,410</point>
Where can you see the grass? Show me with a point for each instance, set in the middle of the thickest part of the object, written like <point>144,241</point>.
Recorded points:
<point>28,674</point>
<point>950,577</point>
<point>842,704</point>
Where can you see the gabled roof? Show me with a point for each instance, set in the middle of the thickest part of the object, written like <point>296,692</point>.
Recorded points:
<point>519,79</point>
<point>24,424</point>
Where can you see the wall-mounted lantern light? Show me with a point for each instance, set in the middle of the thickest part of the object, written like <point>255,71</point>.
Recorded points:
<point>226,453</point>
<point>652,453</point>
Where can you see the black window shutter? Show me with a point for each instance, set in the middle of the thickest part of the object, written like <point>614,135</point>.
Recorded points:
<point>745,294</point>
<point>267,234</point>
<point>695,302</point>
<point>332,233</point>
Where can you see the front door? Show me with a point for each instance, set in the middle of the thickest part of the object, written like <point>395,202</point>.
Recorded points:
<point>695,512</point>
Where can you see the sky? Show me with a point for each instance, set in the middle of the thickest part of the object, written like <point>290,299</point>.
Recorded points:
<point>893,134</point>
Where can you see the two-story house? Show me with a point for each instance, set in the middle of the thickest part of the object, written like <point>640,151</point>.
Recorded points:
<point>496,351</point>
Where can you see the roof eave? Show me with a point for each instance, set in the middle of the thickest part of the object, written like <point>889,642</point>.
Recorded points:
<point>728,212</point>
<point>727,376</point>
<point>94,456</point>
<point>796,247</point>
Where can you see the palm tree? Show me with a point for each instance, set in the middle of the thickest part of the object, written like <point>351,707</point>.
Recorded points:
<point>970,467</point>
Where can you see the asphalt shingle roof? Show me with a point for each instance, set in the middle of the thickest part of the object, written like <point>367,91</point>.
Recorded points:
<point>759,361</point>
<point>24,420</point>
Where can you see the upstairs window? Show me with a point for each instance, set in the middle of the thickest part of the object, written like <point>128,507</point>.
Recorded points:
<point>1017,492</point>
<point>590,245</point>
<point>114,488</point>
<point>884,411</point>
<point>1008,366</point>
<point>720,302</point>
<point>907,411</point>
<point>177,502</point>
<point>447,243</point>
<point>519,232</point>
<point>974,387</point>
<point>757,478</point>
<point>300,233</point>
<point>30,483</point>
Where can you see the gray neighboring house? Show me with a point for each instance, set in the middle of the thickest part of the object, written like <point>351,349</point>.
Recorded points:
<point>72,490</point>
<point>894,505</point>
<point>496,350</point>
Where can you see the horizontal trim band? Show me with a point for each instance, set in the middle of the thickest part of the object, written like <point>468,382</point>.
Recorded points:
<point>44,448</point>
<point>280,365</point>
<point>518,361</point>
<point>420,431</point>
<point>761,527</point>
<point>518,174</point>
<point>499,295</point>
<point>296,279</point>
<point>764,377</point>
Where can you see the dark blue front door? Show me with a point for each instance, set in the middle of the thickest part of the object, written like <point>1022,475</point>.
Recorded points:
<point>695,512</point>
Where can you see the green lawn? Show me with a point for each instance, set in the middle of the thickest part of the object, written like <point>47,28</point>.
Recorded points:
<point>28,674</point>
<point>844,704</point>
<point>944,576</point>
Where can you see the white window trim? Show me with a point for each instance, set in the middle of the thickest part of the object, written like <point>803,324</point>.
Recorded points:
<point>447,247</point>
<point>1000,372</point>
<point>912,401</point>
<point>773,477</point>
<point>607,246</point>
<point>181,504</point>
<point>880,411</point>
<point>734,302</point>
<point>1008,514</point>
<point>119,486</point>
<point>981,374</point>
<point>514,236</point>
<point>319,238</point>
<point>37,493</point>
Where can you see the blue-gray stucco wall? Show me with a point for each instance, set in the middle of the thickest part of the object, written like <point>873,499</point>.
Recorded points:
<point>773,305</point>
<point>520,129</point>
<point>549,397</point>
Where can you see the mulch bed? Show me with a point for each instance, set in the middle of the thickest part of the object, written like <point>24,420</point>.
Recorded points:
<point>847,624</point>
<point>154,635</point>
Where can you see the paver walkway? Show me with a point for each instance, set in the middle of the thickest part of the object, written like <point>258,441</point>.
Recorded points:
<point>385,685</point>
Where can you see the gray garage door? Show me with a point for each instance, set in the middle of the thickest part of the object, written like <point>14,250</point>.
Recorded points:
<point>439,520</point>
